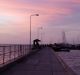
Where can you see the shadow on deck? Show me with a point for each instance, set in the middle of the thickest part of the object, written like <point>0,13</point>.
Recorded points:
<point>43,62</point>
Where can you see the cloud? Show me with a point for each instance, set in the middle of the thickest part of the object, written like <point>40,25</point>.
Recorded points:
<point>76,1</point>
<point>16,14</point>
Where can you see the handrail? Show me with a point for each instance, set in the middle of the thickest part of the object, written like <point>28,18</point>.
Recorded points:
<point>11,52</point>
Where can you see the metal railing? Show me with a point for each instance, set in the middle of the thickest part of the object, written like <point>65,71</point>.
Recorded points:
<point>9,53</point>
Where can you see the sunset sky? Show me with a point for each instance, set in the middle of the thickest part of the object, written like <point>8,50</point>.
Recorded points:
<point>55,16</point>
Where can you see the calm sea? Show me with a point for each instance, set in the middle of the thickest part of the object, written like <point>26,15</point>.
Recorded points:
<point>72,59</point>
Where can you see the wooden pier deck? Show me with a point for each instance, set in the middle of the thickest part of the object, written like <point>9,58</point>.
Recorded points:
<point>43,62</point>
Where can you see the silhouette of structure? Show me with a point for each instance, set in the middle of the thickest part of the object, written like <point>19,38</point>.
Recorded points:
<point>36,44</point>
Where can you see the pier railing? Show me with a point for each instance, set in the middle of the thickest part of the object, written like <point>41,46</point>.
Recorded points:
<point>9,53</point>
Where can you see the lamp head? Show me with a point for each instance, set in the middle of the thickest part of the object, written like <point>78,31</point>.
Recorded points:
<point>34,15</point>
<point>37,14</point>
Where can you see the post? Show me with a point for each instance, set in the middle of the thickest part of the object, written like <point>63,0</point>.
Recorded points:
<point>30,27</point>
<point>30,32</point>
<point>3,54</point>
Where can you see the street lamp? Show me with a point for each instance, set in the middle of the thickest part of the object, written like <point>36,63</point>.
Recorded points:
<point>30,26</point>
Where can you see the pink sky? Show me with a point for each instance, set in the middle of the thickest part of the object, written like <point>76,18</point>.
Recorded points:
<point>54,17</point>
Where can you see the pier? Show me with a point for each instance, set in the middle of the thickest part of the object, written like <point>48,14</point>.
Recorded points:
<point>39,62</point>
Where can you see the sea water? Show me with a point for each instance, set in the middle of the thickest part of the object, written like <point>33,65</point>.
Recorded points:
<point>72,59</point>
<point>8,57</point>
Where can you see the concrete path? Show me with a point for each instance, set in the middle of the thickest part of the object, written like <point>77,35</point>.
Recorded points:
<point>44,62</point>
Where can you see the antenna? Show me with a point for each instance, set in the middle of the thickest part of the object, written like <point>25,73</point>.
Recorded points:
<point>63,37</point>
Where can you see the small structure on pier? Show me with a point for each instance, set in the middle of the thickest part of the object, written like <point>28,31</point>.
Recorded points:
<point>36,44</point>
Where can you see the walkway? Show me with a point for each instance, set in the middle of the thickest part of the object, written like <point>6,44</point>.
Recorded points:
<point>44,62</point>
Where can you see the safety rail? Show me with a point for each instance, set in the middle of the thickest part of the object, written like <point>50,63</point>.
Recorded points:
<point>9,53</point>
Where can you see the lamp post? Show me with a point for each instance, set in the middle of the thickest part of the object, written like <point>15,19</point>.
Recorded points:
<point>39,33</point>
<point>30,26</point>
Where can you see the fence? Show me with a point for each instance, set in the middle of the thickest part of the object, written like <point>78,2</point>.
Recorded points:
<point>9,53</point>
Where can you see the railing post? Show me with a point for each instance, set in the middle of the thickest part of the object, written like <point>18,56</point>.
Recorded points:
<point>18,50</point>
<point>3,54</point>
<point>25,49</point>
<point>9,53</point>
<point>21,50</point>
<point>14,51</point>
